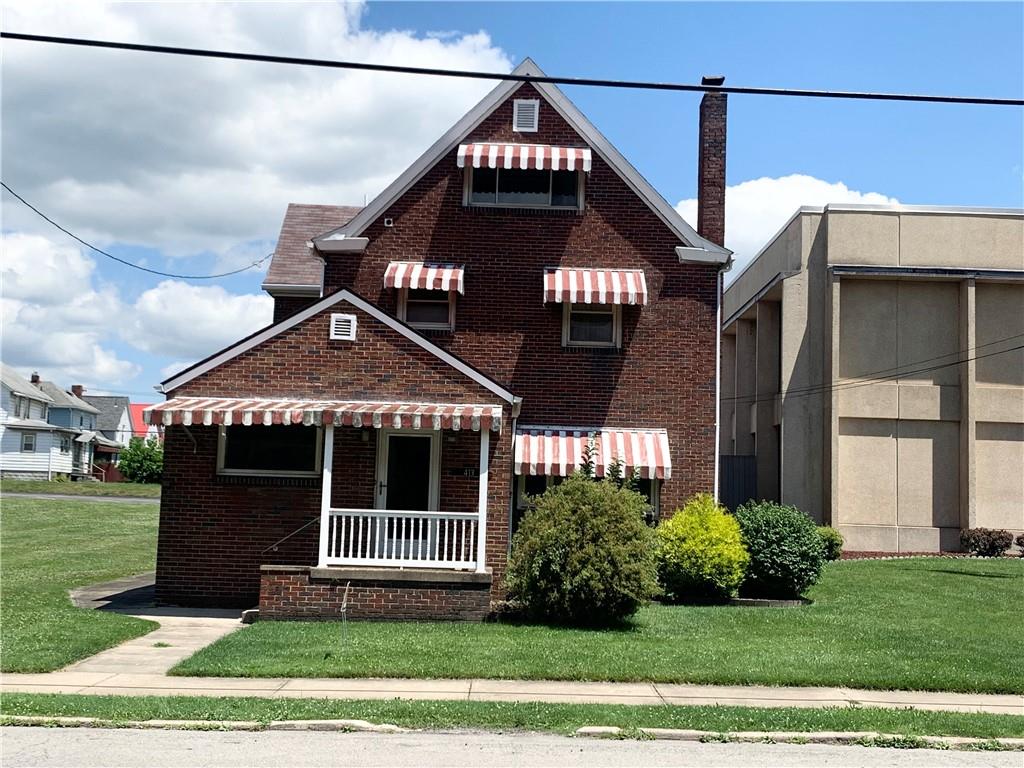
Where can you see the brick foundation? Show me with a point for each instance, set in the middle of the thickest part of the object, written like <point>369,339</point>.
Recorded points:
<point>296,592</point>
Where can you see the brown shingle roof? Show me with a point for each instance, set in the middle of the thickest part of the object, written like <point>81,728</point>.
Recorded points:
<point>293,263</point>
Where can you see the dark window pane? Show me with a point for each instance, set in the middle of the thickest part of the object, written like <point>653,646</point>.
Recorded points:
<point>427,307</point>
<point>485,181</point>
<point>534,485</point>
<point>592,327</point>
<point>518,187</point>
<point>564,188</point>
<point>645,488</point>
<point>280,447</point>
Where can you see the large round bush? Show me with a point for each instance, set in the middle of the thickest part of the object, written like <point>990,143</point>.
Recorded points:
<point>583,554</point>
<point>786,550</point>
<point>701,556</point>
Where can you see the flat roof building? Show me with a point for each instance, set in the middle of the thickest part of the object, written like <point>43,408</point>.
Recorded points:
<point>873,373</point>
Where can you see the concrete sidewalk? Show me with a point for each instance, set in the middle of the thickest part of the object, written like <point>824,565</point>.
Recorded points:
<point>127,683</point>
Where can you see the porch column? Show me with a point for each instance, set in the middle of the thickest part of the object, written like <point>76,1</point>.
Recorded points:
<point>481,526</point>
<point>325,494</point>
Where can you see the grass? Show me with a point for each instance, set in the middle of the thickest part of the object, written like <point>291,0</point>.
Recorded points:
<point>533,716</point>
<point>127,490</point>
<point>920,624</point>
<point>48,547</point>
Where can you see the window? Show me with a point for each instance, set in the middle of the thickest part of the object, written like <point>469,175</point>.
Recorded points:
<point>591,325</point>
<point>286,450</point>
<point>651,491</point>
<point>65,444</point>
<point>427,309</point>
<point>28,442</point>
<point>526,188</point>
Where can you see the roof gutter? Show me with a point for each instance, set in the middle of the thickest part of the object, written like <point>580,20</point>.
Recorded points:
<point>721,257</point>
<point>286,289</point>
<point>342,244</point>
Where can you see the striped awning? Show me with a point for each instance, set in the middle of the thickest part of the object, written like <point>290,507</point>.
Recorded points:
<point>424,275</point>
<point>595,286</point>
<point>559,451</point>
<point>538,157</point>
<point>247,412</point>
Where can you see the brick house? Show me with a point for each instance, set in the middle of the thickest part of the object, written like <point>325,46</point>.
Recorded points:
<point>518,293</point>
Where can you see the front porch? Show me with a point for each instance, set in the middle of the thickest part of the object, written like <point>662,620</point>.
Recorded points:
<point>404,510</point>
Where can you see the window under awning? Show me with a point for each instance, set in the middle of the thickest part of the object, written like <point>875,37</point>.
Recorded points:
<point>252,412</point>
<point>424,275</point>
<point>524,157</point>
<point>572,285</point>
<point>559,451</point>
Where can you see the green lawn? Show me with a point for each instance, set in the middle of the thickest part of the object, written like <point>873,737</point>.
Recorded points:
<point>534,716</point>
<point>924,624</point>
<point>47,547</point>
<point>134,490</point>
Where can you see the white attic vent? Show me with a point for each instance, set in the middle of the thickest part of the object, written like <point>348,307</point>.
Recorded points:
<point>343,327</point>
<point>525,115</point>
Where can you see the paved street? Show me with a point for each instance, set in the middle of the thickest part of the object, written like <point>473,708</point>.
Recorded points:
<point>84,747</point>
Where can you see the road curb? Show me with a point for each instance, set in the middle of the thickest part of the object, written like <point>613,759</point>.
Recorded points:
<point>865,738</point>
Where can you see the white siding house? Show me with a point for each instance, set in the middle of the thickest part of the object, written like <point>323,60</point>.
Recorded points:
<point>30,447</point>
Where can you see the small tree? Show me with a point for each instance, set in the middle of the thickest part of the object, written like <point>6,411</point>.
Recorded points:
<point>142,461</point>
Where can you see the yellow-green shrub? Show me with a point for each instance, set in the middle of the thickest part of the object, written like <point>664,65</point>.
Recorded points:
<point>701,555</point>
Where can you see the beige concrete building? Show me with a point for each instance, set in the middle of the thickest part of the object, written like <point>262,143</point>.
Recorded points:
<point>872,362</point>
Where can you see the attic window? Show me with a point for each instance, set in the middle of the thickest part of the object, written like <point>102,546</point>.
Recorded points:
<point>343,327</point>
<point>525,115</point>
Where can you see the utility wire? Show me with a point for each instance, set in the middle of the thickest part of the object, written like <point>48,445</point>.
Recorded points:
<point>100,251</point>
<point>899,369</point>
<point>477,75</point>
<point>843,386</point>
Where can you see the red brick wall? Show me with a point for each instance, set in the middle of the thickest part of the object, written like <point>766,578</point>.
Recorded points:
<point>286,594</point>
<point>664,374</point>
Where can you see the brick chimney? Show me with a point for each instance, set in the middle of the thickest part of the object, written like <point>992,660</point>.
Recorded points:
<point>711,164</point>
<point>35,377</point>
<point>77,390</point>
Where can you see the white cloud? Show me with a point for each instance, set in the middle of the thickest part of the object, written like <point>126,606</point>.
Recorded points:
<point>192,155</point>
<point>188,321</point>
<point>55,320</point>
<point>756,209</point>
<point>177,366</point>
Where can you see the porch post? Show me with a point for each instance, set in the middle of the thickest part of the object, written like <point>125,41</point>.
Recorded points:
<point>325,493</point>
<point>481,525</point>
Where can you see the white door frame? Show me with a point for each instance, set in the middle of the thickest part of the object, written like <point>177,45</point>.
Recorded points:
<point>380,486</point>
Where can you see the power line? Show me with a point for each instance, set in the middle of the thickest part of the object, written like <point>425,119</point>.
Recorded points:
<point>478,75</point>
<point>100,251</point>
<point>843,386</point>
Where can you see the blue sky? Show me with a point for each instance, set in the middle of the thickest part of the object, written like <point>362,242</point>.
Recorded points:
<point>188,165</point>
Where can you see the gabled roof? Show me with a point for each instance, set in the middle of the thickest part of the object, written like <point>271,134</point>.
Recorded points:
<point>64,399</point>
<point>110,408</point>
<point>294,268</point>
<point>572,115</point>
<point>18,384</point>
<point>357,301</point>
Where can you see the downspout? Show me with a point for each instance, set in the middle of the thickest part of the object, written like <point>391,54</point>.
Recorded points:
<point>718,372</point>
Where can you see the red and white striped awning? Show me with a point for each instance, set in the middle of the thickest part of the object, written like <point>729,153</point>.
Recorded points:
<point>538,157</point>
<point>559,451</point>
<point>248,412</point>
<point>595,286</point>
<point>424,275</point>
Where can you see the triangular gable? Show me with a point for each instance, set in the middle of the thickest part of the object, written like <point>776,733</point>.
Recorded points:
<point>334,239</point>
<point>342,296</point>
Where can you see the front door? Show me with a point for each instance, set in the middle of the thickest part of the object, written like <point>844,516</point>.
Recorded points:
<point>407,471</point>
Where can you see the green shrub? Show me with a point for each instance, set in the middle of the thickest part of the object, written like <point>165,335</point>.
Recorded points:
<point>786,551</point>
<point>583,554</point>
<point>833,541</point>
<point>700,552</point>
<point>986,542</point>
<point>142,461</point>
<point>1019,541</point>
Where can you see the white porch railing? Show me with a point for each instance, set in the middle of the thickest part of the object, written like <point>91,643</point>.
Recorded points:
<point>386,537</point>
